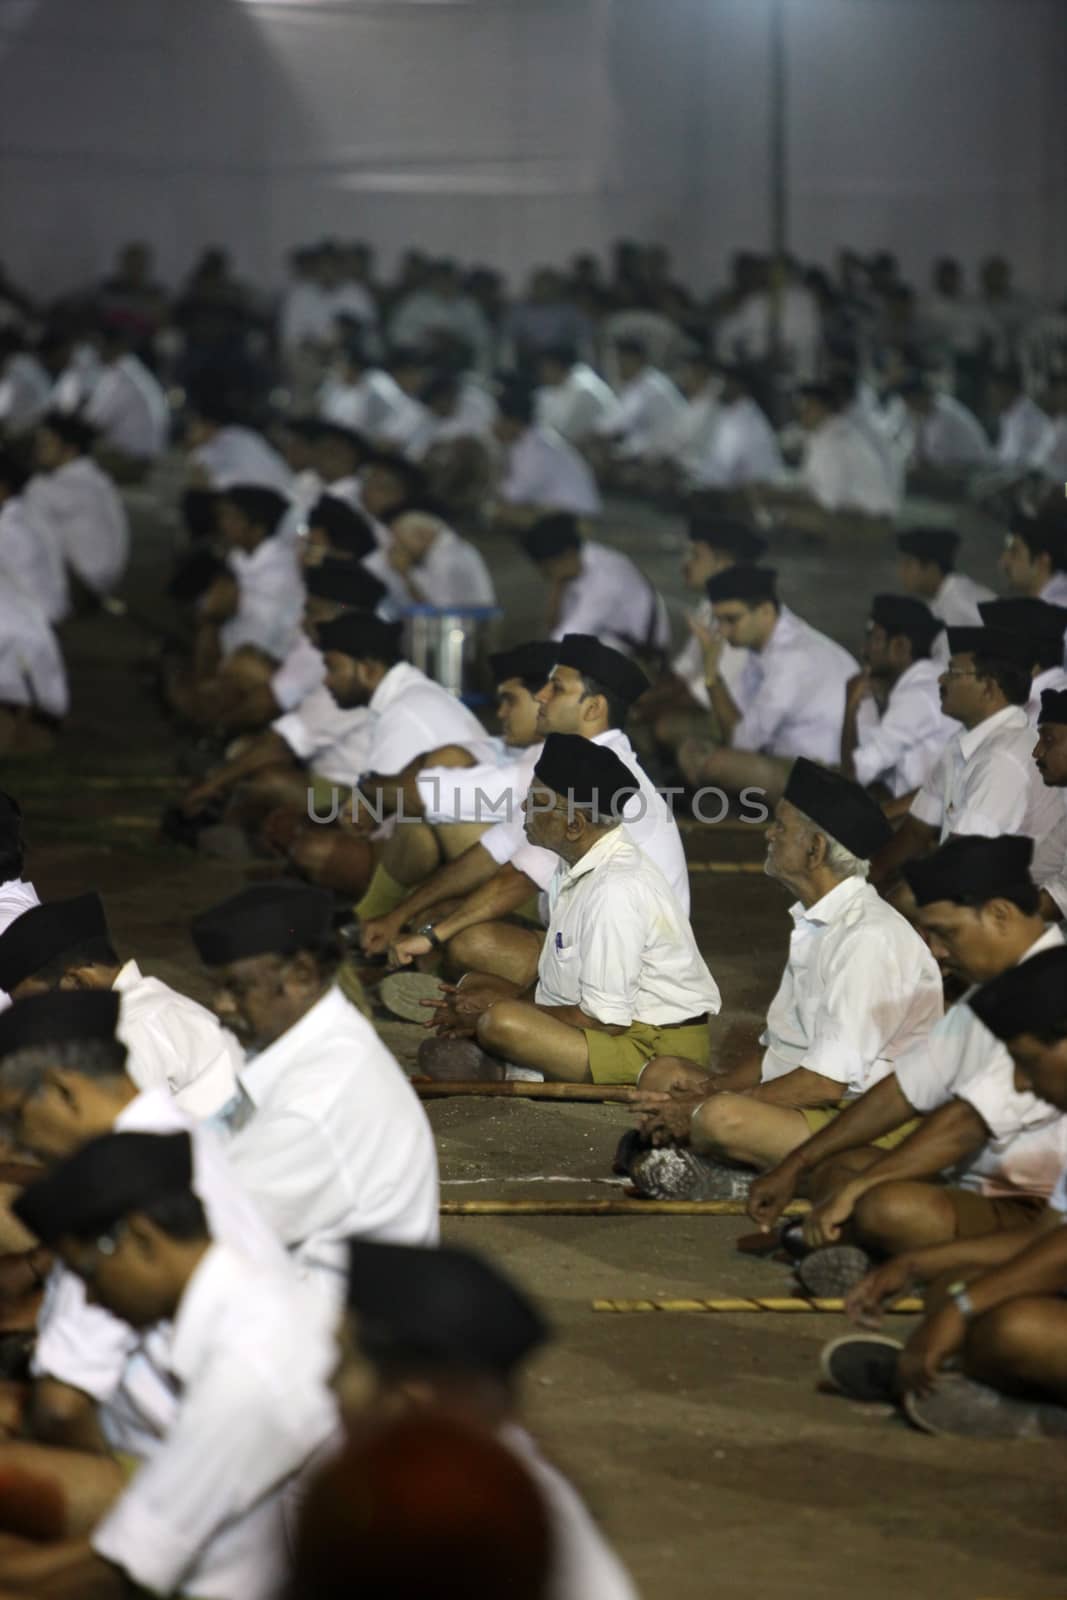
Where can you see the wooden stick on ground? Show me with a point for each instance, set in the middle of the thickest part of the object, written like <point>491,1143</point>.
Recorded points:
<point>605,1208</point>
<point>526,1091</point>
<point>763,1303</point>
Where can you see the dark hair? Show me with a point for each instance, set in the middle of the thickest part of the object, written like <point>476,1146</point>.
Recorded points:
<point>617,709</point>
<point>12,472</point>
<point>1014,682</point>
<point>1051,1032</point>
<point>90,1058</point>
<point>1025,897</point>
<point>180,1216</point>
<point>12,847</point>
<point>89,953</point>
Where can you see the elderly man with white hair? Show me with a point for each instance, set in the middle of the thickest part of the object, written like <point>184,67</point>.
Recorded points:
<point>859,988</point>
<point>435,566</point>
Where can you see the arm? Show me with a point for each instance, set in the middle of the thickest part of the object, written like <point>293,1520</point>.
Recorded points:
<point>503,893</point>
<point>68,1571</point>
<point>268,750</point>
<point>799,1088</point>
<point>456,878</point>
<point>575,1017</point>
<point>722,702</point>
<point>857,691</point>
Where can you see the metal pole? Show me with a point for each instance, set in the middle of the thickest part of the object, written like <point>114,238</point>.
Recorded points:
<point>779,195</point>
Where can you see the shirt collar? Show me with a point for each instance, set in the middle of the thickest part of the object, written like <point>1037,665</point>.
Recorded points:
<point>602,851</point>
<point>129,976</point>
<point>261,1072</point>
<point>833,905</point>
<point>971,739</point>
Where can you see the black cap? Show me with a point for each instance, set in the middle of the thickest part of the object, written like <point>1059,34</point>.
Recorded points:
<point>516,401</point>
<point>363,636</point>
<point>1053,706</point>
<point>971,869</point>
<point>1041,623</point>
<point>439,1307</point>
<point>263,507</point>
<point>348,529</point>
<point>584,653</point>
<point>844,810</point>
<point>57,1017</point>
<point>531,661</point>
<point>589,776</point>
<point>939,545</point>
<point>900,614</point>
<point>10,822</point>
<point>266,919</point>
<point>721,534</point>
<point>744,582</point>
<point>1044,534</point>
<point>1029,998</point>
<point>994,644</point>
<point>551,536</point>
<point>107,1179</point>
<point>347,583</point>
<point>43,933</point>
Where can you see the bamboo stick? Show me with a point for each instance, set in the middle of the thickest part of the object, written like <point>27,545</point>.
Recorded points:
<point>605,1208</point>
<point>526,1091</point>
<point>727,868</point>
<point>762,1303</point>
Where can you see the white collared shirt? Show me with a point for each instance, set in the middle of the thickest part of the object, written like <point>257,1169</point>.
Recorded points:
<point>543,470</point>
<point>613,600</point>
<point>951,436</point>
<point>579,406</point>
<point>252,1362</point>
<point>986,783</point>
<point>123,1371</point>
<point>31,563</point>
<point>742,449</point>
<point>1055,590</point>
<point>453,573</point>
<point>1048,868</point>
<point>16,896</point>
<point>175,1044</point>
<point>618,944</point>
<point>335,744</point>
<point>369,406</point>
<point>688,664</point>
<point>241,456</point>
<point>80,510</point>
<point>25,390</point>
<point>412,714</point>
<point>843,471</point>
<point>647,819</point>
<point>32,670</point>
<point>1025,434</point>
<point>957,600</point>
<point>491,791</point>
<point>648,407</point>
<point>794,691</point>
<point>270,599</point>
<point>901,745</point>
<point>1052,456</point>
<point>306,316</point>
<point>471,418</point>
<point>962,1060</point>
<point>300,674</point>
<point>338,1145</point>
<point>859,988</point>
<point>129,409</point>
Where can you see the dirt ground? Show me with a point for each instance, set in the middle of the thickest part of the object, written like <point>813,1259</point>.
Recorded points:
<point>700,1440</point>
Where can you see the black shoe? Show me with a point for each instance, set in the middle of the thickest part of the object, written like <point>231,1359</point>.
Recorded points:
<point>862,1366</point>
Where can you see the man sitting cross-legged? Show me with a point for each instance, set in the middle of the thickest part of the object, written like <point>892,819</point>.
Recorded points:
<point>589,692</point>
<point>620,978</point>
<point>859,988</point>
<point>996,1313</point>
<point>979,911</point>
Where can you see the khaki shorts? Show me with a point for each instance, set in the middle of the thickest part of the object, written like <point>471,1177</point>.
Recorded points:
<point>979,1214</point>
<point>817,1118</point>
<point>325,791</point>
<point>619,1057</point>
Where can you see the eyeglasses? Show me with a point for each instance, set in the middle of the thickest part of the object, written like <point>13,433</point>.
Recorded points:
<point>104,1246</point>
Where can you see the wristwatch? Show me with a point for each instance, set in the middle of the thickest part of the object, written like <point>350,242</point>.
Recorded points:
<point>427,932</point>
<point>957,1293</point>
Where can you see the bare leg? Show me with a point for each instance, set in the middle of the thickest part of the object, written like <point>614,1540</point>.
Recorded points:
<point>732,1127</point>
<point>501,948</point>
<point>517,1031</point>
<point>825,1179</point>
<point>1021,1348</point>
<point>665,1074</point>
<point>47,1493</point>
<point>411,854</point>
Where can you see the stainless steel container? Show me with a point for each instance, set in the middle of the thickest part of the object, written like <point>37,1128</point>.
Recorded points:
<point>451,646</point>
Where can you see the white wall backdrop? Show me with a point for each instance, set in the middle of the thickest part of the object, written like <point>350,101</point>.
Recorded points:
<point>517,131</point>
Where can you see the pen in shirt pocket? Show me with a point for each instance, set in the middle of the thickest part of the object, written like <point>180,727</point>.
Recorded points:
<point>559,941</point>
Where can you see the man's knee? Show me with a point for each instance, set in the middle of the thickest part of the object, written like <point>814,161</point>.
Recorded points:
<point>666,1073</point>
<point>501,1025</point>
<point>1003,1341</point>
<point>894,1215</point>
<point>721,1121</point>
<point>472,949</point>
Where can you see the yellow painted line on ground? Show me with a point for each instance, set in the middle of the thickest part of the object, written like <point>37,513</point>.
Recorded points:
<point>763,1303</point>
<point>726,868</point>
<point>607,1208</point>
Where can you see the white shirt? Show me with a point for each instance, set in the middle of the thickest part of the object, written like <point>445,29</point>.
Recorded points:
<point>1025,435</point>
<point>613,600</point>
<point>16,896</point>
<point>689,438</point>
<point>367,406</point>
<point>859,988</point>
<point>251,1361</point>
<point>270,599</point>
<point>584,1566</point>
<point>582,404</point>
<point>1055,590</point>
<point>452,573</point>
<point>648,407</point>
<point>413,714</point>
<point>424,313</point>
<point>338,1145</point>
<point>618,944</point>
<point>951,436</point>
<point>306,315</point>
<point>1052,456</point>
<point>25,390</point>
<point>129,409</point>
<point>901,745</point>
<point>31,563</point>
<point>79,509</point>
<point>794,689</point>
<point>957,600</point>
<point>986,783</point>
<point>491,791</point>
<point>300,674</point>
<point>32,672</point>
<point>1048,868</point>
<point>544,470</point>
<point>647,819</point>
<point>843,471</point>
<point>335,744</point>
<point>962,1060</point>
<point>742,449</point>
<point>745,334</point>
<point>688,664</point>
<point>471,418</point>
<point>241,456</point>
<point>175,1044</point>
<point>88,1348</point>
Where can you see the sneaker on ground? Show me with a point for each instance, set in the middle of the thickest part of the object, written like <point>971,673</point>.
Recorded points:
<point>862,1366</point>
<point>677,1173</point>
<point>965,1409</point>
<point>832,1270</point>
